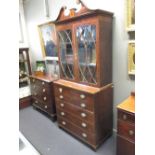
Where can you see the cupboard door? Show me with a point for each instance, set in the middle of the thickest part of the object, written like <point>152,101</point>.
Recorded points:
<point>66,54</point>
<point>86,50</point>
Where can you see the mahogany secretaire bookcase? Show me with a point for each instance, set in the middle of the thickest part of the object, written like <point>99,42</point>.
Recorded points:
<point>84,92</point>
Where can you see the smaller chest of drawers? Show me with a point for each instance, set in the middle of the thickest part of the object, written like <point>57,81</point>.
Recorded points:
<point>43,94</point>
<point>126,127</point>
<point>84,111</point>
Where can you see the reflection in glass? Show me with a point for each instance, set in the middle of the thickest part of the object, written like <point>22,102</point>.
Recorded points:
<point>66,54</point>
<point>86,44</point>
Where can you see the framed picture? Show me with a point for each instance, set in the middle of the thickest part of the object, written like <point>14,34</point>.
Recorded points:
<point>47,34</point>
<point>130,14</point>
<point>131,58</point>
<point>41,66</point>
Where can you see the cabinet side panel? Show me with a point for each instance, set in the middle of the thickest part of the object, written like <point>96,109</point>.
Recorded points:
<point>104,113</point>
<point>105,49</point>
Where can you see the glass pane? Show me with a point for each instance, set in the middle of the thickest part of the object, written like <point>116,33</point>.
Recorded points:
<point>66,54</point>
<point>86,41</point>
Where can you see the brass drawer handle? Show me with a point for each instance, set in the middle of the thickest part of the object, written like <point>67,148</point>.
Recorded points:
<point>36,101</point>
<point>61,97</point>
<point>45,98</point>
<point>84,125</point>
<point>83,105</point>
<point>33,80</point>
<point>84,135</point>
<point>62,114</point>
<point>35,94</point>
<point>82,96</point>
<point>83,115</point>
<point>45,106</point>
<point>43,83</point>
<point>62,105</point>
<point>63,122</point>
<point>124,117</point>
<point>131,132</point>
<point>44,90</point>
<point>60,90</point>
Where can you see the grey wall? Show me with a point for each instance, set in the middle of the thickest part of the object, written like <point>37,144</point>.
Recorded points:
<point>34,15</point>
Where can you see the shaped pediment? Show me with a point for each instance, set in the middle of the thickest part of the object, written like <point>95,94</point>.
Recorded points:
<point>66,13</point>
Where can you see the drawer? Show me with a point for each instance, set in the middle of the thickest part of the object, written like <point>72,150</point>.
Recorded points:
<point>125,147</point>
<point>43,106</point>
<point>78,132</point>
<point>43,98</point>
<point>126,116</point>
<point>81,99</point>
<point>40,83</point>
<point>78,122</point>
<point>41,89</point>
<point>75,110</point>
<point>126,130</point>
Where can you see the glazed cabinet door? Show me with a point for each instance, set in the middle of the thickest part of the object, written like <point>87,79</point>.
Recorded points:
<point>86,51</point>
<point>66,54</point>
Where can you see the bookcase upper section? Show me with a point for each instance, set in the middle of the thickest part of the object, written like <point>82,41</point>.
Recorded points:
<point>84,39</point>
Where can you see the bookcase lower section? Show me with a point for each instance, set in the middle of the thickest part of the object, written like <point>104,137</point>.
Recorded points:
<point>88,114</point>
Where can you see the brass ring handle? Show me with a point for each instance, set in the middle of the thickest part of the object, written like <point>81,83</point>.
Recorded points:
<point>131,132</point>
<point>63,122</point>
<point>124,117</point>
<point>82,96</point>
<point>60,90</point>
<point>83,115</point>
<point>45,106</point>
<point>83,105</point>
<point>62,114</point>
<point>62,105</point>
<point>84,125</point>
<point>36,101</point>
<point>61,97</point>
<point>45,98</point>
<point>44,90</point>
<point>84,135</point>
<point>43,83</point>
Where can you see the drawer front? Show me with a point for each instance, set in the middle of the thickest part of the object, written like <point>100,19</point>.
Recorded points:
<point>125,116</point>
<point>75,97</point>
<point>87,127</point>
<point>40,83</point>
<point>40,90</point>
<point>75,110</point>
<point>125,147</point>
<point>78,132</point>
<point>43,94</point>
<point>126,130</point>
<point>43,106</point>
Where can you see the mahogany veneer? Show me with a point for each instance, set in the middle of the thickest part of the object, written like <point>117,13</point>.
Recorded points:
<point>86,113</point>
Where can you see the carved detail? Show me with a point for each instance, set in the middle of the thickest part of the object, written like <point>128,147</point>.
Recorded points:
<point>73,12</point>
